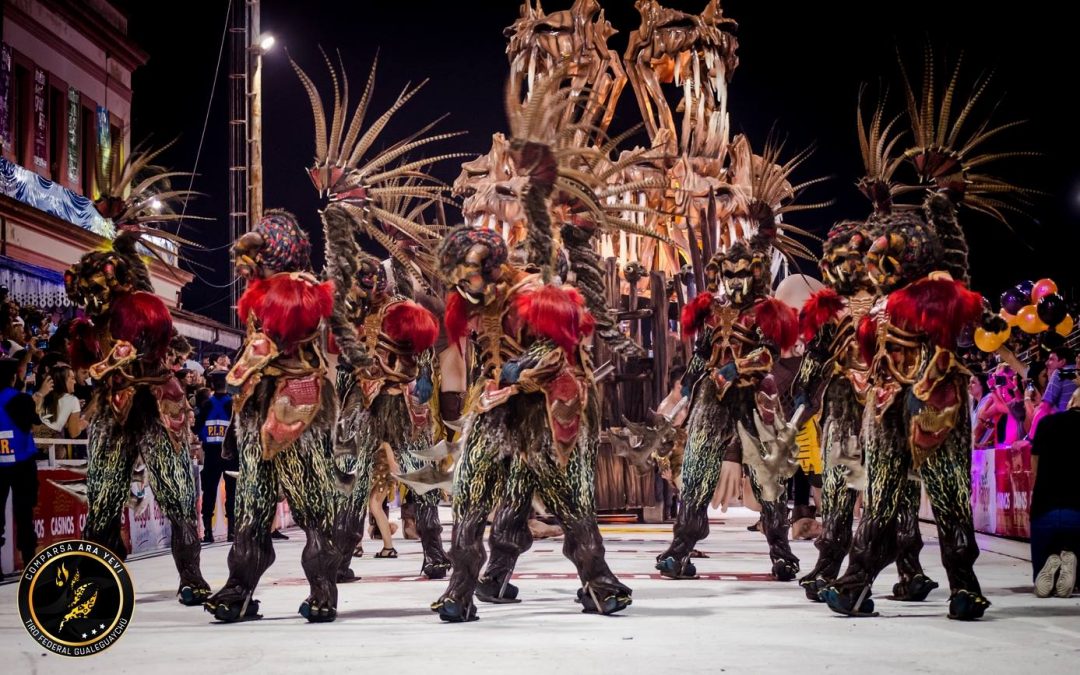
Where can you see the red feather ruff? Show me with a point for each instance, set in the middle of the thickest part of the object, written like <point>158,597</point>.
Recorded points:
<point>866,336</point>
<point>84,350</point>
<point>142,319</point>
<point>695,312</point>
<point>555,313</point>
<point>938,308</point>
<point>820,308</point>
<point>778,322</point>
<point>409,322</point>
<point>456,317</point>
<point>288,308</point>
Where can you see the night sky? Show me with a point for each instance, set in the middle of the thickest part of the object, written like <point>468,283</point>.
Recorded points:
<point>800,67</point>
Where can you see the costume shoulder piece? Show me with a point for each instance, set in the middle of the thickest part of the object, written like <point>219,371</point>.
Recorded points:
<point>936,306</point>
<point>820,308</point>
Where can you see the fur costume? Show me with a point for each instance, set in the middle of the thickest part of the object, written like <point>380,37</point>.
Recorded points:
<point>283,414</point>
<point>740,331</point>
<point>916,413</point>
<point>142,417</point>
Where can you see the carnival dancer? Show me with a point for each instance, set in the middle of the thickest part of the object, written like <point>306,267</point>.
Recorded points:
<point>142,417</point>
<point>384,409</point>
<point>916,416</point>
<point>533,412</point>
<point>834,369</point>
<point>284,411</point>
<point>382,337</point>
<point>734,413</point>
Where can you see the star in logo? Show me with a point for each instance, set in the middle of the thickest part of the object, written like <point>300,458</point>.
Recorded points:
<point>84,636</point>
<point>102,626</point>
<point>93,631</point>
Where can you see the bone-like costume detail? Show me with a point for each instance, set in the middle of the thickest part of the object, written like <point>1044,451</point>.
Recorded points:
<point>283,413</point>
<point>533,411</point>
<point>382,338</point>
<point>915,416</point>
<point>740,331</point>
<point>142,419</point>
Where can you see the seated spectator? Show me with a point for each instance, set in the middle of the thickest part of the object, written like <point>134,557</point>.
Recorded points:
<point>60,411</point>
<point>1055,504</point>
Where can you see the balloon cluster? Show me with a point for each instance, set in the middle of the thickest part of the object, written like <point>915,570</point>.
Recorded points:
<point>1033,307</point>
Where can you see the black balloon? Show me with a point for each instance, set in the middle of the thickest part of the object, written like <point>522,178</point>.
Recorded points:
<point>1051,309</point>
<point>1012,300</point>
<point>994,323</point>
<point>1025,288</point>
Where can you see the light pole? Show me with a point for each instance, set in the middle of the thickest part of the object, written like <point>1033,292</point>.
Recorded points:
<point>248,44</point>
<point>260,44</point>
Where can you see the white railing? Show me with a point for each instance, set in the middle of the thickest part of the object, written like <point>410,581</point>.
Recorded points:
<point>53,442</point>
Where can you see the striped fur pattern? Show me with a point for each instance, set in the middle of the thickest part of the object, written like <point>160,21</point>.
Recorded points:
<point>113,452</point>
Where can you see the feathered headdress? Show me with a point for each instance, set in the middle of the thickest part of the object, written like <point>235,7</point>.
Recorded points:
<point>762,184</point>
<point>136,194</point>
<point>382,191</point>
<point>949,154</point>
<point>878,141</point>
<point>586,183</point>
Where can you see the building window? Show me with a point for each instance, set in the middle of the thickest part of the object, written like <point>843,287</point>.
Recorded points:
<point>89,150</point>
<point>22,113</point>
<point>57,132</point>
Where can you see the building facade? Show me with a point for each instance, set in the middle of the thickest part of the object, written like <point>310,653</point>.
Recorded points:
<point>65,91</point>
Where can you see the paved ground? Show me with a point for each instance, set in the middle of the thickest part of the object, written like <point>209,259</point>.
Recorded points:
<point>733,620</point>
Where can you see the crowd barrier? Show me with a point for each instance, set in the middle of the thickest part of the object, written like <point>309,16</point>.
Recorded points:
<point>1000,492</point>
<point>60,513</point>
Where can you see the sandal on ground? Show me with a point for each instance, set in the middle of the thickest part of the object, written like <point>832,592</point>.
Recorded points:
<point>387,553</point>
<point>358,552</point>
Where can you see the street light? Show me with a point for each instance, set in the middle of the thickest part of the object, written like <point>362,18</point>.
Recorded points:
<point>266,42</point>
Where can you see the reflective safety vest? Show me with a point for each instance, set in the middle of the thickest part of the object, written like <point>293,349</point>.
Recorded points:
<point>16,445</point>
<point>217,420</point>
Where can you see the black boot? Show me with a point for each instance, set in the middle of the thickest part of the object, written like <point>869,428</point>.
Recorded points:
<point>914,589</point>
<point>497,591</point>
<point>208,531</point>
<point>229,535</point>
<point>967,605</point>
<point>852,602</point>
<point>674,569</point>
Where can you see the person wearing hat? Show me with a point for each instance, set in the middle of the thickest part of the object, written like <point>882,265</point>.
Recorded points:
<point>212,423</point>
<point>18,466</point>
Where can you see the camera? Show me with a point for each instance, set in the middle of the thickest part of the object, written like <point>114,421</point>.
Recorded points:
<point>1067,373</point>
<point>1000,380</point>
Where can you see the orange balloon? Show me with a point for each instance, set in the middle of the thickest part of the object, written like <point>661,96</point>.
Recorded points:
<point>1009,318</point>
<point>1028,320</point>
<point>990,342</point>
<point>1042,287</point>
<point>1065,327</point>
